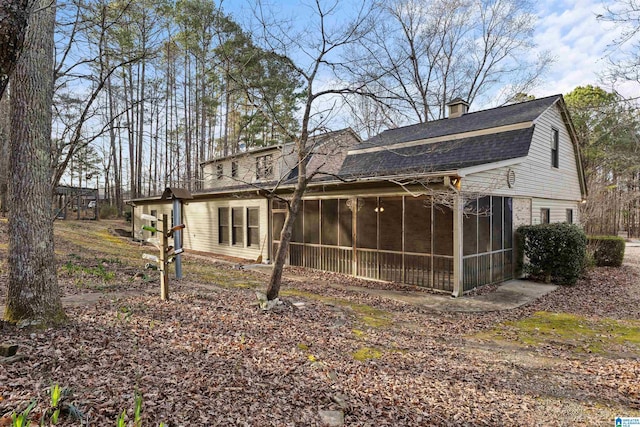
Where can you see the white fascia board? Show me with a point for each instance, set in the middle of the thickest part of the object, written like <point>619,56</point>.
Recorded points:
<point>489,166</point>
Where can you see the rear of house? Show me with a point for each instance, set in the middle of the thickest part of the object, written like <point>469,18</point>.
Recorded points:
<point>432,204</point>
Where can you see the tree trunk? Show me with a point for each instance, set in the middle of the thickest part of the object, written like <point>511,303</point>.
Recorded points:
<point>5,126</point>
<point>141,102</point>
<point>13,24</point>
<point>33,287</point>
<point>273,290</point>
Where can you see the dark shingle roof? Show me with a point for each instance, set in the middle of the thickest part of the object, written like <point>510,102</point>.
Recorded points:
<point>441,156</point>
<point>485,119</point>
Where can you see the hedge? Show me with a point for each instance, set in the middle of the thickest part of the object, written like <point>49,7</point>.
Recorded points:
<point>553,252</point>
<point>607,251</point>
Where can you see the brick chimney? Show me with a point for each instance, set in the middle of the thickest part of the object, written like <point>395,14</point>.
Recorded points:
<point>457,107</point>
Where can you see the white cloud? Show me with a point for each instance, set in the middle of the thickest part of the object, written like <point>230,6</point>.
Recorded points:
<point>576,39</point>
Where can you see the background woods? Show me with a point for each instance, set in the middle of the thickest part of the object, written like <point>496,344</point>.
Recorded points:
<point>144,92</point>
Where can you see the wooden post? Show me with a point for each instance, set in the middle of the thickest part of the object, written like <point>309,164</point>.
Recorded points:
<point>458,276</point>
<point>164,276</point>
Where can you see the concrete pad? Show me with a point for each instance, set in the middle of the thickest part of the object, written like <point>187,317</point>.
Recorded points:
<point>509,295</point>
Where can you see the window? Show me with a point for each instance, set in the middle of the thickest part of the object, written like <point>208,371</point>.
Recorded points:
<point>545,216</point>
<point>264,166</point>
<point>234,169</point>
<point>154,224</point>
<point>237,224</point>
<point>570,216</point>
<point>555,138</point>
<point>223,226</point>
<point>219,171</point>
<point>253,227</point>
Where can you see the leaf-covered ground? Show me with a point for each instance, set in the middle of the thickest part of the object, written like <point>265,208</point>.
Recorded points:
<point>210,356</point>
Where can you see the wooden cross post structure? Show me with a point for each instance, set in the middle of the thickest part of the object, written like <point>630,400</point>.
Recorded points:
<point>168,253</point>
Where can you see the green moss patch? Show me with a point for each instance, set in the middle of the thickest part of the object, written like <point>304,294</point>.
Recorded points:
<point>358,333</point>
<point>579,334</point>
<point>366,353</point>
<point>370,316</point>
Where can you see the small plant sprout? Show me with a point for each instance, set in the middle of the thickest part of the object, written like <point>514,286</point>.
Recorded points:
<point>56,395</point>
<point>138,410</point>
<point>22,419</point>
<point>121,421</point>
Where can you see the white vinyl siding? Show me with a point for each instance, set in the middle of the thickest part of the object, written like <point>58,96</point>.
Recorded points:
<point>535,176</point>
<point>557,210</point>
<point>201,232</point>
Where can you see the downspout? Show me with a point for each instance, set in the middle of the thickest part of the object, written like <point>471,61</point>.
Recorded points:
<point>133,219</point>
<point>454,183</point>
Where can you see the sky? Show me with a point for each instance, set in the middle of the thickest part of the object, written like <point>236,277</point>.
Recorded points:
<point>568,29</point>
<point>578,42</point>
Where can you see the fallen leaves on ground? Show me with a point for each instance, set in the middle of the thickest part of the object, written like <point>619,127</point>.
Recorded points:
<point>210,356</point>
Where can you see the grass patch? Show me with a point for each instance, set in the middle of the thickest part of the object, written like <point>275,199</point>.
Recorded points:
<point>370,316</point>
<point>366,353</point>
<point>223,278</point>
<point>579,334</point>
<point>99,271</point>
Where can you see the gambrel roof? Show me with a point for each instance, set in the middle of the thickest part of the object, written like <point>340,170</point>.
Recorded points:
<point>482,137</point>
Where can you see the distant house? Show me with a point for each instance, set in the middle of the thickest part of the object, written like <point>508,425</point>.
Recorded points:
<point>432,204</point>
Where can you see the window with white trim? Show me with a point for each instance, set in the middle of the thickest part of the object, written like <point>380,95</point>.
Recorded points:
<point>253,226</point>
<point>264,166</point>
<point>545,216</point>
<point>223,226</point>
<point>555,144</point>
<point>237,226</point>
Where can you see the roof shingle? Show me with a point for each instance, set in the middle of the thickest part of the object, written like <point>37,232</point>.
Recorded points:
<point>441,156</point>
<point>485,119</point>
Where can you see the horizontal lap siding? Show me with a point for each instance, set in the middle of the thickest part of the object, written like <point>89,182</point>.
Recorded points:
<point>201,233</point>
<point>557,210</point>
<point>535,177</point>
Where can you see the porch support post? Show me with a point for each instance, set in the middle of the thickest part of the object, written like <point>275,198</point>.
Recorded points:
<point>458,206</point>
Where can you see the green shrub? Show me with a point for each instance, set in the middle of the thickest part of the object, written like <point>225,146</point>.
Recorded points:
<point>127,214</point>
<point>606,250</point>
<point>554,252</point>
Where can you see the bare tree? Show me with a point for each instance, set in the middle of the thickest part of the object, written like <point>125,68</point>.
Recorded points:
<point>13,24</point>
<point>318,56</point>
<point>625,51</point>
<point>437,50</point>
<point>33,287</point>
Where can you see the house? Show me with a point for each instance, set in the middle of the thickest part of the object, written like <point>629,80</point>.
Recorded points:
<point>232,216</point>
<point>432,204</point>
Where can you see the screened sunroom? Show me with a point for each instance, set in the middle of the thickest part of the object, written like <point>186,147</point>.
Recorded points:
<point>404,239</point>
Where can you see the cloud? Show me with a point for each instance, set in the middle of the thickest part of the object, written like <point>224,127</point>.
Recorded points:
<point>576,39</point>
